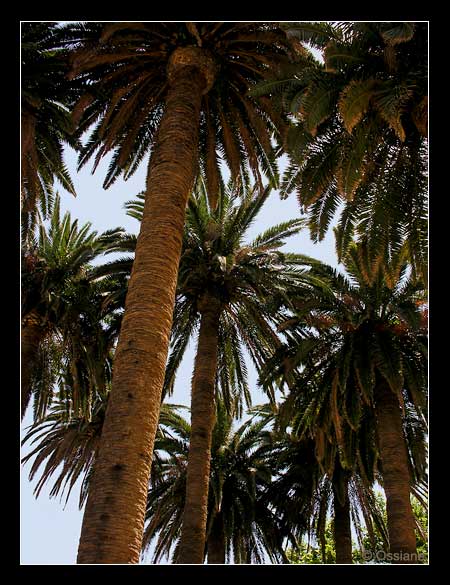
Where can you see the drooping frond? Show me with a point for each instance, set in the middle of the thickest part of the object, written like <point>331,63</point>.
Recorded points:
<point>123,68</point>
<point>360,124</point>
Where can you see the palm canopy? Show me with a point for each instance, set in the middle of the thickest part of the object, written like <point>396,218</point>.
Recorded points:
<point>47,97</point>
<point>63,304</point>
<point>374,324</point>
<point>61,437</point>
<point>249,279</point>
<point>237,510</point>
<point>378,68</point>
<point>127,66</point>
<point>358,138</point>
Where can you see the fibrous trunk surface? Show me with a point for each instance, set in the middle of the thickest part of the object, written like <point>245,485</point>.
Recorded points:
<point>396,478</point>
<point>114,517</point>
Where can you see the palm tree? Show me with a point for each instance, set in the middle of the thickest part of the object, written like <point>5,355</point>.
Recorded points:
<point>240,526</point>
<point>224,284</point>
<point>181,90</point>
<point>57,296</point>
<point>68,431</point>
<point>358,143</point>
<point>45,119</point>
<point>369,345</point>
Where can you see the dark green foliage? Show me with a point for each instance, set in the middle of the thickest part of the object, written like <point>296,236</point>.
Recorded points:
<point>124,68</point>
<point>337,347</point>
<point>60,290</point>
<point>47,97</point>
<point>371,546</point>
<point>358,139</point>
<point>245,277</point>
<point>240,474</point>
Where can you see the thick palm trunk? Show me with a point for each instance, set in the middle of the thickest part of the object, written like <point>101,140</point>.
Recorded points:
<point>31,337</point>
<point>29,162</point>
<point>342,527</point>
<point>114,517</point>
<point>27,132</point>
<point>396,481</point>
<point>216,542</point>
<point>193,532</point>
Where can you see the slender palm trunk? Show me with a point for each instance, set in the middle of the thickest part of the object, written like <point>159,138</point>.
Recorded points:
<point>31,337</point>
<point>342,527</point>
<point>113,521</point>
<point>396,480</point>
<point>216,542</point>
<point>193,532</point>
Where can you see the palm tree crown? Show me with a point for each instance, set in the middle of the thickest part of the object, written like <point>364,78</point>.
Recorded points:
<point>46,124</point>
<point>128,66</point>
<point>375,321</point>
<point>62,303</point>
<point>359,134</point>
<point>246,278</point>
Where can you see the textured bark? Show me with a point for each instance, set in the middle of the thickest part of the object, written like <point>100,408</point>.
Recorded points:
<point>28,130</point>
<point>342,528</point>
<point>216,542</point>
<point>193,532</point>
<point>31,337</point>
<point>113,521</point>
<point>29,161</point>
<point>396,480</point>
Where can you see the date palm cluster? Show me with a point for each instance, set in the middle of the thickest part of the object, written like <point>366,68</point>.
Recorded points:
<point>339,351</point>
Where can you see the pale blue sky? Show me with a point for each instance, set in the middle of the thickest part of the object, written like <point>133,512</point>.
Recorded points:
<point>49,533</point>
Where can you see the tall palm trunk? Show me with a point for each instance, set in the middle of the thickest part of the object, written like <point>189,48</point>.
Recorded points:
<point>216,542</point>
<point>31,336</point>
<point>193,532</point>
<point>342,526</point>
<point>113,521</point>
<point>396,480</point>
